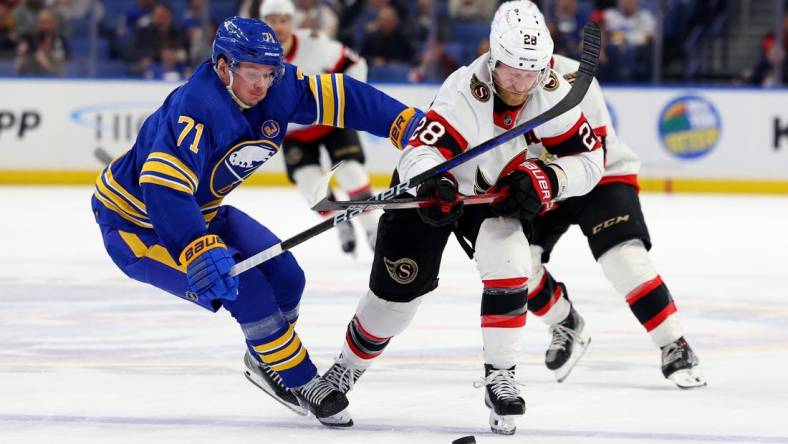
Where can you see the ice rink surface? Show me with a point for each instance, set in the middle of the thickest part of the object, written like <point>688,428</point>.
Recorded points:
<point>89,356</point>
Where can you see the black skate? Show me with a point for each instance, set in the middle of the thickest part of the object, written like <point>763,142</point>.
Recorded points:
<point>680,365</point>
<point>568,345</point>
<point>271,383</point>
<point>342,376</point>
<point>502,397</point>
<point>325,402</point>
<point>347,237</point>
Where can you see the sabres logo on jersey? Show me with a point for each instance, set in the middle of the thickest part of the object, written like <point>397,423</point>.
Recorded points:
<point>238,163</point>
<point>479,89</point>
<point>270,129</point>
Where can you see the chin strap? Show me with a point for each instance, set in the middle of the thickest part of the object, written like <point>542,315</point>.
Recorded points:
<point>229,88</point>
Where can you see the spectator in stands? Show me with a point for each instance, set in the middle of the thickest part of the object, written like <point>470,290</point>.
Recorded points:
<point>170,67</point>
<point>317,16</point>
<point>566,23</point>
<point>148,40</point>
<point>138,15</point>
<point>388,44</point>
<point>435,64</point>
<point>481,10</point>
<point>772,55</point>
<point>42,52</point>
<point>421,24</point>
<point>483,47</point>
<point>630,31</point>
<point>199,35</point>
<point>7,33</point>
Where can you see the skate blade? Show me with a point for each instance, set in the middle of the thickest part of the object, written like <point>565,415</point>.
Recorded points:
<point>502,424</point>
<point>688,378</point>
<point>578,350</point>
<point>262,385</point>
<point>341,419</point>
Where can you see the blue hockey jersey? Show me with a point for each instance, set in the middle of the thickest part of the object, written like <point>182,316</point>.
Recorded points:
<point>199,146</point>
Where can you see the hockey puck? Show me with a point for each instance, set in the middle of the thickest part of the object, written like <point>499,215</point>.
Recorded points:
<point>465,440</point>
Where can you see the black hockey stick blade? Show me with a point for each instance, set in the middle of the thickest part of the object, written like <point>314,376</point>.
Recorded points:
<point>585,74</point>
<point>397,204</point>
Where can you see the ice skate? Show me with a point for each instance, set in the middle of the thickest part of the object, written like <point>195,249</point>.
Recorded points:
<point>567,346</point>
<point>680,365</point>
<point>270,382</point>
<point>325,402</point>
<point>503,398</point>
<point>342,376</point>
<point>347,237</point>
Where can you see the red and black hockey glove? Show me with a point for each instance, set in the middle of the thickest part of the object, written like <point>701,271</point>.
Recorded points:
<point>447,206</point>
<point>527,190</point>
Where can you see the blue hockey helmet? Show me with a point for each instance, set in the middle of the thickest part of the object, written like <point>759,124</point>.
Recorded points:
<point>248,40</point>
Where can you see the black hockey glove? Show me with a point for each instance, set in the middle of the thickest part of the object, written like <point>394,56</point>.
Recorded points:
<point>528,190</point>
<point>447,206</point>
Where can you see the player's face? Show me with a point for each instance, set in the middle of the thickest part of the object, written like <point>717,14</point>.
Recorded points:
<point>282,25</point>
<point>513,84</point>
<point>251,82</point>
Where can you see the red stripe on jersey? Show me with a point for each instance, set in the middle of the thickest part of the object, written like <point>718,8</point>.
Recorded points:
<point>518,282</point>
<point>293,49</point>
<point>447,140</point>
<point>539,287</point>
<point>339,65</point>
<point>628,179</point>
<point>553,299</point>
<point>555,140</point>
<point>503,321</point>
<point>353,194</point>
<point>601,131</point>
<point>356,350</point>
<point>366,333</point>
<point>513,164</point>
<point>643,289</point>
<point>660,317</point>
<point>311,134</point>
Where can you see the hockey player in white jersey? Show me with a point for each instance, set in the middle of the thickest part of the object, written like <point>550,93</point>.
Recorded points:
<point>611,219</point>
<point>316,53</point>
<point>507,86</point>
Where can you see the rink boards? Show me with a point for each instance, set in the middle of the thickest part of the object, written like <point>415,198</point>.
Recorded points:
<point>690,139</point>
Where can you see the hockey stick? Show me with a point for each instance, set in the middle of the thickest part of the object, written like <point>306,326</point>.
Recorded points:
<point>398,204</point>
<point>585,74</point>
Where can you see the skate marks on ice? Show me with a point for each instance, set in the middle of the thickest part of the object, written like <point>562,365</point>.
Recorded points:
<point>440,433</point>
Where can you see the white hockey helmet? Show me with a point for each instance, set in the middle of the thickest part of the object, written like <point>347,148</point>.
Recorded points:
<point>519,37</point>
<point>279,7</point>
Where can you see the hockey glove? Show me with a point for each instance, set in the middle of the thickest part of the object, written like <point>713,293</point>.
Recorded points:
<point>208,269</point>
<point>527,190</point>
<point>404,126</point>
<point>447,205</point>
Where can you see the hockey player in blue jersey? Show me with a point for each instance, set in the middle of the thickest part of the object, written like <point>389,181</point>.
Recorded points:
<point>159,206</point>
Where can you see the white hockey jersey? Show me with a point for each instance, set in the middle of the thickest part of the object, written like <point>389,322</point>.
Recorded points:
<point>621,163</point>
<point>315,53</point>
<point>463,115</point>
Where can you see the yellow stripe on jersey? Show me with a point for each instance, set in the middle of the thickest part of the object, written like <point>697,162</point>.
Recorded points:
<point>116,195</point>
<point>329,106</point>
<point>156,180</point>
<point>155,252</point>
<point>178,164</point>
<point>156,166</point>
<point>107,203</point>
<point>292,362</point>
<point>313,86</point>
<point>276,343</point>
<point>119,189</point>
<point>340,80</point>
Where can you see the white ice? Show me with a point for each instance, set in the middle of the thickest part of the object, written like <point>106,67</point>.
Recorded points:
<point>89,356</point>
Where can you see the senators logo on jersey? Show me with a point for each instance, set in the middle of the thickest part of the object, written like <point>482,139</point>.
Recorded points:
<point>480,90</point>
<point>403,271</point>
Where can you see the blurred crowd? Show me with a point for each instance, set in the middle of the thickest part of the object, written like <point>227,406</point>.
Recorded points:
<point>403,41</point>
